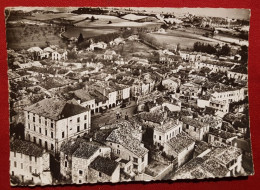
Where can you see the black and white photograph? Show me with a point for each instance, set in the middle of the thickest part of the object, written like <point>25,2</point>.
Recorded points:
<point>125,94</point>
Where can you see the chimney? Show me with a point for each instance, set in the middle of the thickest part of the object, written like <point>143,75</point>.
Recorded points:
<point>90,139</point>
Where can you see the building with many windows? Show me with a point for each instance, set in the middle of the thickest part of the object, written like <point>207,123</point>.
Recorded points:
<point>29,162</point>
<point>51,121</point>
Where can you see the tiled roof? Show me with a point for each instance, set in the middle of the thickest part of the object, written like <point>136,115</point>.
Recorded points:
<point>104,165</point>
<point>85,150</point>
<point>215,168</point>
<point>26,147</point>
<point>180,142</point>
<point>155,117</point>
<point>69,147</point>
<point>83,95</point>
<point>166,125</point>
<point>220,133</point>
<point>56,109</point>
<point>193,122</point>
<point>225,154</point>
<point>124,135</point>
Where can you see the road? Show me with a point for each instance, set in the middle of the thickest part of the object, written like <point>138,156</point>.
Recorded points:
<point>109,116</point>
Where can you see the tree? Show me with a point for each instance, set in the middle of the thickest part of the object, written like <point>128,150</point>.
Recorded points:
<point>80,38</point>
<point>92,19</point>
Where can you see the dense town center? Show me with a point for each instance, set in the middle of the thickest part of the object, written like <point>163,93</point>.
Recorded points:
<point>119,95</point>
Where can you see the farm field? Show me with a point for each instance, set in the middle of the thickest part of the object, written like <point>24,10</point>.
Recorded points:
<point>172,38</point>
<point>133,49</point>
<point>86,32</point>
<point>32,35</point>
<point>44,17</point>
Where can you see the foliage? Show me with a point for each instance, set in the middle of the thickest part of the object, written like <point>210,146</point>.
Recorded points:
<point>80,38</point>
<point>72,55</point>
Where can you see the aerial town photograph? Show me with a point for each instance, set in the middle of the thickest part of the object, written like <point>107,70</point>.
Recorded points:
<point>112,95</point>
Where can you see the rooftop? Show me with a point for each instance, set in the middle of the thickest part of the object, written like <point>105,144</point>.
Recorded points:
<point>26,147</point>
<point>180,142</point>
<point>125,135</point>
<point>193,122</point>
<point>56,109</point>
<point>104,165</point>
<point>85,150</point>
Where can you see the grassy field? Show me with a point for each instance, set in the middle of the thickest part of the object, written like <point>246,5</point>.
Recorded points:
<point>133,49</point>
<point>32,35</point>
<point>186,39</point>
<point>50,16</point>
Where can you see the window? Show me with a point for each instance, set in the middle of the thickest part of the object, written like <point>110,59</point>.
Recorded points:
<point>14,154</point>
<point>52,135</point>
<point>135,166</point>
<point>33,118</point>
<point>12,173</point>
<point>63,134</point>
<point>155,136</point>
<point>28,126</point>
<point>34,128</point>
<point>66,164</point>
<point>40,142</point>
<point>160,138</point>
<point>52,147</point>
<point>30,157</point>
<point>142,159</point>
<point>40,130</point>
<point>118,151</point>
<point>21,155</point>
<point>34,139</point>
<point>52,125</point>
<point>100,174</point>
<point>46,132</point>
<point>78,119</point>
<point>15,164</point>
<point>78,128</point>
<point>85,117</point>
<point>35,159</point>
<point>79,181</point>
<point>21,165</point>
<point>135,160</point>
<point>28,116</point>
<point>85,126</point>
<point>30,168</point>
<point>46,122</point>
<point>40,120</point>
<point>80,172</point>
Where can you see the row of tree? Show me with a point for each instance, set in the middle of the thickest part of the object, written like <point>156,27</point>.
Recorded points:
<point>211,49</point>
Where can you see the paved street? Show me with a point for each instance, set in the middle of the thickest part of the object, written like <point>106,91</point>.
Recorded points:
<point>109,116</point>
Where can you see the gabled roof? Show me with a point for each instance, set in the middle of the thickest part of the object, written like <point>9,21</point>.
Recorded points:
<point>26,147</point>
<point>104,165</point>
<point>56,109</point>
<point>85,150</point>
<point>193,122</point>
<point>124,135</point>
<point>180,142</point>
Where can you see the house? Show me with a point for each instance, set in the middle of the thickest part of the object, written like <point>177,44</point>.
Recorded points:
<point>99,45</point>
<point>215,66</point>
<point>59,55</point>
<point>195,128</point>
<point>220,136</point>
<point>103,169</point>
<point>84,98</point>
<point>29,162</point>
<point>181,147</point>
<point>238,73</point>
<point>46,53</point>
<point>51,121</point>
<point>36,52</point>
<point>122,91</point>
<point>219,162</point>
<point>83,157</point>
<point>117,41</point>
<point>171,84</point>
<point>125,142</point>
<point>222,107</point>
<point>109,55</point>
<point>133,38</point>
<point>190,91</point>
<point>165,131</point>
